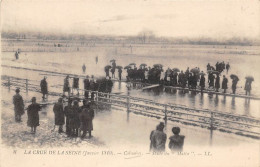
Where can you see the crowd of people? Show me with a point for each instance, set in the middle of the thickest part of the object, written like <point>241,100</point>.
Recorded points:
<point>192,78</point>
<point>76,118</point>
<point>78,121</point>
<point>90,84</point>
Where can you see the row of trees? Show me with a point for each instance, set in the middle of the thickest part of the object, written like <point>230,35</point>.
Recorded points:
<point>144,37</point>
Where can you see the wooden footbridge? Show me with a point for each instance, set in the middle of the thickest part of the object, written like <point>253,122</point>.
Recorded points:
<point>143,86</point>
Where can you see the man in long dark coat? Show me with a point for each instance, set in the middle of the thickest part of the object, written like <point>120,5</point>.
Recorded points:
<point>113,72</point>
<point>18,106</point>
<point>120,74</point>
<point>74,121</point>
<point>202,83</point>
<point>86,86</point>
<point>86,117</point>
<point>75,84</point>
<point>224,83</point>
<point>66,86</point>
<point>16,55</point>
<point>68,113</point>
<point>158,140</point>
<point>92,88</point>
<point>227,67</point>
<point>217,83</point>
<point>109,85</point>
<point>107,72</point>
<point>59,114</point>
<point>174,79</point>
<point>84,68</point>
<point>234,85</point>
<point>211,80</point>
<point>248,86</point>
<point>33,115</point>
<point>44,87</point>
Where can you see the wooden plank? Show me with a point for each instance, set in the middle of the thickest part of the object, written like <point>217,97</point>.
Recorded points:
<point>216,93</point>
<point>152,86</point>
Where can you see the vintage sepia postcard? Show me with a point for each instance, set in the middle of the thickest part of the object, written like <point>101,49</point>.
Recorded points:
<point>130,83</point>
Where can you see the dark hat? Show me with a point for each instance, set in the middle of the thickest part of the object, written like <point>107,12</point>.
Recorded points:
<point>60,100</point>
<point>176,130</point>
<point>160,126</point>
<point>17,90</point>
<point>33,99</point>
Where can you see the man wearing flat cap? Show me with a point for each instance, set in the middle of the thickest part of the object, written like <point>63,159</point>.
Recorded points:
<point>18,105</point>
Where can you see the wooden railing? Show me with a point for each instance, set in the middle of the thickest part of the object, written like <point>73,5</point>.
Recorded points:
<point>213,120</point>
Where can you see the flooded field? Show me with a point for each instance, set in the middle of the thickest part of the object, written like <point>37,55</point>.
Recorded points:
<point>243,60</point>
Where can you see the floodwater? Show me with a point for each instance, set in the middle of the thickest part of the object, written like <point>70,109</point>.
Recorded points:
<point>112,127</point>
<point>243,61</point>
<point>114,130</point>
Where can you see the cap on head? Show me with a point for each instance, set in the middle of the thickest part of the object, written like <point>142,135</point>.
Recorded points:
<point>60,100</point>
<point>34,99</point>
<point>17,90</point>
<point>75,102</point>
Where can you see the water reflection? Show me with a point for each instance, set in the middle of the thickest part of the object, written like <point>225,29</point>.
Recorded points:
<point>201,103</point>
<point>216,101</point>
<point>233,104</point>
<point>224,100</point>
<point>119,85</point>
<point>247,107</point>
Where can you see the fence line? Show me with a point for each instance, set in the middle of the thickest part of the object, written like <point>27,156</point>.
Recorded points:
<point>213,120</point>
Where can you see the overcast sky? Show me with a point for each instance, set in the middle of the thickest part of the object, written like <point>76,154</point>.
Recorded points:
<point>185,18</point>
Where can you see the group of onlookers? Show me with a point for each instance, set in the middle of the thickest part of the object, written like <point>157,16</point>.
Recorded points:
<point>74,117</point>
<point>158,139</point>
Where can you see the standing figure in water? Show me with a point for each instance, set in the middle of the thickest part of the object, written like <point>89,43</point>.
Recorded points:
<point>16,55</point>
<point>234,85</point>
<point>248,85</point>
<point>96,59</point>
<point>202,83</point>
<point>227,67</point>
<point>120,74</point>
<point>44,88</point>
<point>217,83</point>
<point>224,83</point>
<point>84,68</point>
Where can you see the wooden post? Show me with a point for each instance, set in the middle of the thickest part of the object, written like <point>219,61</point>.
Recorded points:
<point>128,104</point>
<point>211,127</point>
<point>165,115</point>
<point>9,83</point>
<point>97,97</point>
<point>96,102</point>
<point>26,85</point>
